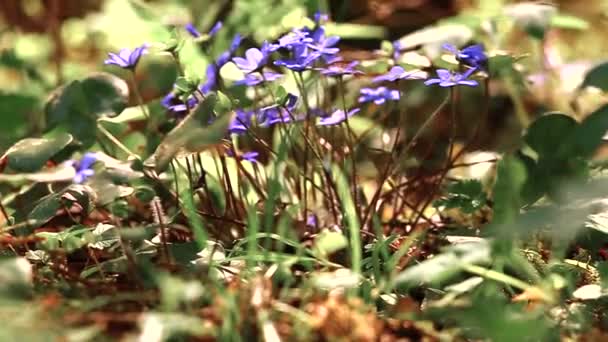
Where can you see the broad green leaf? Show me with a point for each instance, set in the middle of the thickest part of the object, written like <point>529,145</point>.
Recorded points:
<point>75,107</point>
<point>155,74</point>
<point>565,21</point>
<point>16,113</point>
<point>30,155</point>
<point>61,173</point>
<point>583,141</point>
<point>47,207</point>
<point>468,195</point>
<point>597,77</point>
<point>193,134</point>
<point>446,265</point>
<point>547,133</point>
<point>510,178</point>
<point>328,242</point>
<point>351,217</point>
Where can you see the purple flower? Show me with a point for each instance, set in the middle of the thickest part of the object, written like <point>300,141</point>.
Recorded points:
<point>215,28</point>
<point>378,95</point>
<point>176,106</point>
<point>396,49</point>
<point>311,220</point>
<point>256,78</point>
<point>320,18</point>
<point>192,30</point>
<point>126,58</point>
<point>241,122</point>
<point>449,79</point>
<point>295,38</point>
<point>302,59</point>
<point>224,57</point>
<point>210,80</point>
<point>338,69</point>
<point>250,156</point>
<point>396,73</point>
<point>337,117</point>
<point>472,55</point>
<point>196,34</point>
<point>325,46</point>
<point>254,58</point>
<point>83,167</point>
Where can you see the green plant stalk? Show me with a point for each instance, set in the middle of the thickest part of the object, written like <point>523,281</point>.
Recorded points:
<point>116,142</point>
<point>350,216</point>
<point>503,278</point>
<point>138,96</point>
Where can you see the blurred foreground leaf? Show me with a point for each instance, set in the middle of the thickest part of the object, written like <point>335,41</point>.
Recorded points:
<point>29,155</point>
<point>197,132</point>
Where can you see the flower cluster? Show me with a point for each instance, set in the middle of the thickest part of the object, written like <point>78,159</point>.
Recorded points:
<point>301,49</point>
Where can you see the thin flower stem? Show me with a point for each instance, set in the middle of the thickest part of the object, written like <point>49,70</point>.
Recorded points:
<point>174,171</point>
<point>138,96</point>
<point>304,95</point>
<point>116,142</point>
<point>350,138</point>
<point>387,170</point>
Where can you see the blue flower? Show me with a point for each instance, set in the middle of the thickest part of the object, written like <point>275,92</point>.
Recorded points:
<point>473,55</point>
<point>378,95</point>
<point>215,29</point>
<point>450,79</point>
<point>241,122</point>
<point>83,167</point>
<point>295,38</point>
<point>325,46</point>
<point>274,114</point>
<point>396,73</point>
<point>301,60</point>
<point>337,117</point>
<point>256,78</point>
<point>250,156</point>
<point>210,79</point>
<point>192,30</point>
<point>254,59</point>
<point>339,69</point>
<point>126,58</point>
<point>176,106</point>
<point>225,56</point>
<point>319,18</point>
<point>396,49</point>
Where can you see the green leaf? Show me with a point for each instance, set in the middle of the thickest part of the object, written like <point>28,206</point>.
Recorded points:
<point>571,22</point>
<point>597,77</point>
<point>327,243</point>
<point>547,133</point>
<point>350,216</point>
<point>155,74</point>
<point>468,195</point>
<point>16,113</point>
<point>510,178</point>
<point>75,107</point>
<point>583,141</point>
<point>193,134</point>
<point>30,155</point>
<point>446,265</point>
<point>47,207</point>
